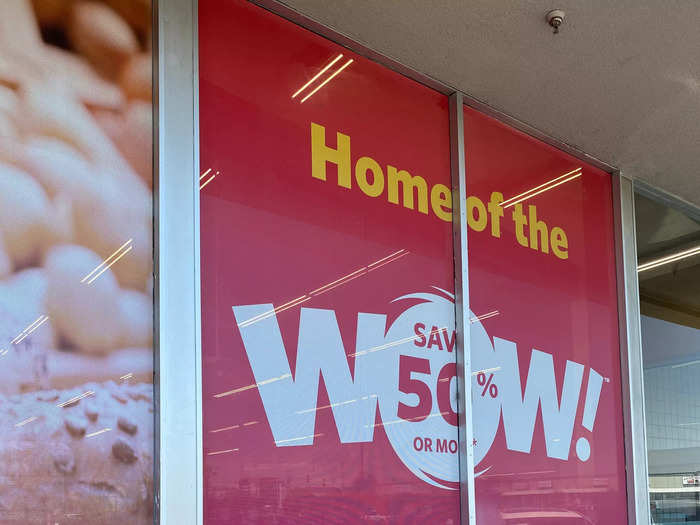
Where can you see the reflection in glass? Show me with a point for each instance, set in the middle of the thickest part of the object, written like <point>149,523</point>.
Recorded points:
<point>669,288</point>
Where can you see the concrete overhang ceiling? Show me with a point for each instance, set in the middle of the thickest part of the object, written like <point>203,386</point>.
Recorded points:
<point>621,81</point>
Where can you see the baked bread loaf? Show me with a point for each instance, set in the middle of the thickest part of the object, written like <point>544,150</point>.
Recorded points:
<point>81,455</point>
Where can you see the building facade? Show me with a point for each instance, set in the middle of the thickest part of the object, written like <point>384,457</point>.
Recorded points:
<point>254,270</point>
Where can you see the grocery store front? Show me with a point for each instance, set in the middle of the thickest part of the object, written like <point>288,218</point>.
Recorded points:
<point>322,287</point>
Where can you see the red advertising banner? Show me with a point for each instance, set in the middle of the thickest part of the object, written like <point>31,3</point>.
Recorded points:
<point>329,376</point>
<point>328,337</point>
<point>548,443</point>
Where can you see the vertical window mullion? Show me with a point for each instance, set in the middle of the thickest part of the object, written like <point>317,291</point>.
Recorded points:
<point>459,228</point>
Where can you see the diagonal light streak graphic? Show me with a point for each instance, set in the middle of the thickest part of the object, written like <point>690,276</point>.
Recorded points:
<point>484,316</point>
<point>669,259</point>
<point>201,187</point>
<point>36,324</point>
<point>327,287</point>
<point>25,421</point>
<point>92,280</point>
<point>254,385</point>
<point>116,252</point>
<point>93,434</point>
<point>327,80</point>
<point>216,453</point>
<point>549,186</point>
<point>302,88</point>
<point>297,439</point>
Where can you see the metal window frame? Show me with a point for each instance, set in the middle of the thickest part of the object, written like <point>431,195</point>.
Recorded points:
<point>462,321</point>
<point>178,379</point>
<point>178,465</point>
<point>635,415</point>
<point>631,368</point>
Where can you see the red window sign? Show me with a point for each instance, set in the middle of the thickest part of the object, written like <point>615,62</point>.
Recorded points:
<point>545,350</point>
<point>329,376</point>
<point>328,335</point>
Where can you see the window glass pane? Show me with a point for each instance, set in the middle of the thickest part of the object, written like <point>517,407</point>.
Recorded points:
<point>327,274</point>
<point>76,356</point>
<point>668,244</point>
<point>546,394</point>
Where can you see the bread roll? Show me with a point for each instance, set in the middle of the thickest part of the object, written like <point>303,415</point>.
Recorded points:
<point>18,25</point>
<point>90,311</point>
<point>136,77</point>
<point>78,79</point>
<point>25,216</point>
<point>136,318</point>
<point>136,12</point>
<point>24,294</point>
<point>59,167</point>
<point>109,213</point>
<point>102,36</point>
<point>87,316</point>
<point>51,114</point>
<point>132,133</point>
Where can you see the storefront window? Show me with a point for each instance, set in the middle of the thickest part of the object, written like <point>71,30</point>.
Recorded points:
<point>328,337</point>
<point>76,262</point>
<point>546,391</point>
<point>669,287</point>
